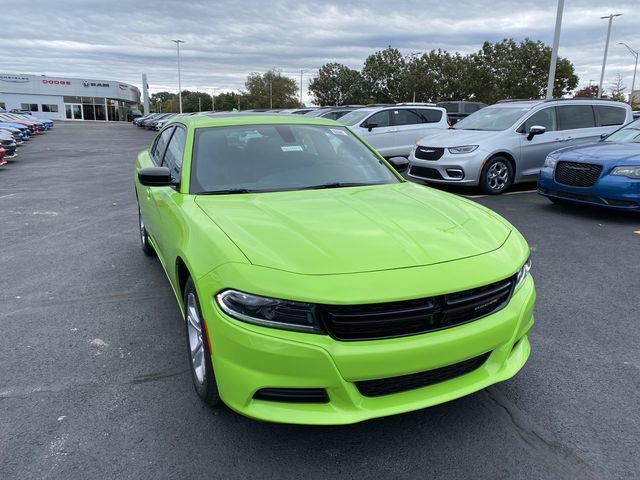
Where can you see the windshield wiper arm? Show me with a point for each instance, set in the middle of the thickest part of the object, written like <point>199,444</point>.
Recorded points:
<point>229,191</point>
<point>336,185</point>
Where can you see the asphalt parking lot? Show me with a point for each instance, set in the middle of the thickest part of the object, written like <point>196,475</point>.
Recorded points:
<point>94,376</point>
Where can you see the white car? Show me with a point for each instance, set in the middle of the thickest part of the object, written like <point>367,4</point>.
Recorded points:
<point>394,130</point>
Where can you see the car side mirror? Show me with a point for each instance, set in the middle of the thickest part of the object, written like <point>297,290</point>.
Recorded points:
<point>155,177</point>
<point>399,163</point>
<point>603,136</point>
<point>370,126</point>
<point>536,130</point>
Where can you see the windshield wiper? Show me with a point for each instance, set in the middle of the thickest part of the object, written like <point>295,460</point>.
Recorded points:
<point>336,185</point>
<point>229,191</point>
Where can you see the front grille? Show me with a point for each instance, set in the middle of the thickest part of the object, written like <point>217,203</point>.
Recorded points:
<point>577,174</point>
<point>425,172</point>
<point>403,383</point>
<point>412,317</point>
<point>428,153</point>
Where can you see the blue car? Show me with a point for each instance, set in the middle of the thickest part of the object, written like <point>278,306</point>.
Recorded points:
<point>24,130</point>
<point>606,173</point>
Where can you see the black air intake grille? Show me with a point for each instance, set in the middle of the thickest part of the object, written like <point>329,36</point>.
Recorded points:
<point>411,317</point>
<point>425,172</point>
<point>428,153</point>
<point>293,395</point>
<point>391,385</point>
<point>577,174</point>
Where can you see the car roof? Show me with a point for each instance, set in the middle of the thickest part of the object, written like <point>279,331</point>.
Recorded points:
<point>251,118</point>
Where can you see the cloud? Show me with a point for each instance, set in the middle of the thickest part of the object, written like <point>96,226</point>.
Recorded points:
<point>225,40</point>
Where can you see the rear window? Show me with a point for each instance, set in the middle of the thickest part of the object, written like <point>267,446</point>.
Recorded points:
<point>609,115</point>
<point>571,117</point>
<point>429,115</point>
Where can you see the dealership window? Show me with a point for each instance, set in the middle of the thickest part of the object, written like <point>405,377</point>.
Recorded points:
<point>32,107</point>
<point>49,108</point>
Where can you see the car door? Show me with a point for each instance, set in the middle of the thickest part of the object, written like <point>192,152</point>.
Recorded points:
<point>534,150</point>
<point>406,130</point>
<point>377,131</point>
<point>168,199</point>
<point>150,158</point>
<point>577,124</point>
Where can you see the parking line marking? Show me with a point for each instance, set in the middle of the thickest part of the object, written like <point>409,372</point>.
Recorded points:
<point>508,193</point>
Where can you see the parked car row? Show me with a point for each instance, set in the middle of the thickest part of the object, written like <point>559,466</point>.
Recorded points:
<point>17,128</point>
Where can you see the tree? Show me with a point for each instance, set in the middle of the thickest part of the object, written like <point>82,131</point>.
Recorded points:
<point>164,102</point>
<point>227,101</point>
<point>589,91</point>
<point>271,90</point>
<point>337,84</point>
<point>384,74</point>
<point>618,88</point>
<point>507,69</point>
<point>195,101</point>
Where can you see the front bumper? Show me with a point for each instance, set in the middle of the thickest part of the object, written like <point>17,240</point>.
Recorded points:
<point>616,192</point>
<point>248,358</point>
<point>445,169</point>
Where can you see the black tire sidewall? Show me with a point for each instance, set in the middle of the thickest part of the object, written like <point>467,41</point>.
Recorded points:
<point>208,390</point>
<point>146,246</point>
<point>484,186</point>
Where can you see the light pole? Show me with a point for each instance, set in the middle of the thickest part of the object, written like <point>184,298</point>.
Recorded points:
<point>213,100</point>
<point>554,51</point>
<point>270,95</point>
<point>178,42</point>
<point>633,82</point>
<point>606,50</point>
<point>301,72</point>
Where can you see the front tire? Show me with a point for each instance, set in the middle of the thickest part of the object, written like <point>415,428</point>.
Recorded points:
<point>204,380</point>
<point>144,237</point>
<point>496,176</point>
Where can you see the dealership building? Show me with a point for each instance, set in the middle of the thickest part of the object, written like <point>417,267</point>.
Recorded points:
<point>64,98</point>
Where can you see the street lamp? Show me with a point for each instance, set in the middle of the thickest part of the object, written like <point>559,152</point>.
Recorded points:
<point>178,42</point>
<point>633,82</point>
<point>606,50</point>
<point>554,51</point>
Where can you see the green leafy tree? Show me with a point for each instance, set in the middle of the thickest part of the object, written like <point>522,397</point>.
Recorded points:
<point>271,90</point>
<point>164,102</point>
<point>227,101</point>
<point>337,84</point>
<point>384,74</point>
<point>195,101</point>
<point>507,69</point>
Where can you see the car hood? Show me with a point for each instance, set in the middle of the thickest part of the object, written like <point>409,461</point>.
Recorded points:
<point>456,138</point>
<point>602,152</point>
<point>356,229</point>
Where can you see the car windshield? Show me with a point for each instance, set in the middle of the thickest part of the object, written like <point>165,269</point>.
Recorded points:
<point>266,158</point>
<point>355,117</point>
<point>629,133</point>
<point>492,118</point>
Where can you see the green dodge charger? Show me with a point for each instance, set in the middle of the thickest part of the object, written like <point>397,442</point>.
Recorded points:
<point>317,286</point>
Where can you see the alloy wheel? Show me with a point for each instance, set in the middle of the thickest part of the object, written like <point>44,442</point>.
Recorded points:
<point>196,346</point>
<point>498,176</point>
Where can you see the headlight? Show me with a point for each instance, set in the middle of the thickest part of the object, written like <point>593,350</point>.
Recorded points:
<point>631,172</point>
<point>550,162</point>
<point>463,149</point>
<point>522,274</point>
<point>269,312</point>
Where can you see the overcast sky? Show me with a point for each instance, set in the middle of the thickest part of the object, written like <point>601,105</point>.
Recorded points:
<point>226,40</point>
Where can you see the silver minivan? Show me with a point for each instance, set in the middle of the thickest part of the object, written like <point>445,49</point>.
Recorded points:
<point>507,142</point>
<point>394,130</point>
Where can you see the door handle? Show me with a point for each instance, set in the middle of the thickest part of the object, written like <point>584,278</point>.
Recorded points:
<point>568,139</point>
<point>148,193</point>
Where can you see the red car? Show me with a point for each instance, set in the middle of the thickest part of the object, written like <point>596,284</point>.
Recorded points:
<point>2,160</point>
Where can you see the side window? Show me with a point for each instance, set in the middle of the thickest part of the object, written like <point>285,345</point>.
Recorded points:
<point>161,143</point>
<point>429,115</point>
<point>175,152</point>
<point>575,116</point>
<point>380,119</point>
<point>608,115</point>
<point>470,107</point>
<point>545,118</point>
<point>403,116</point>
